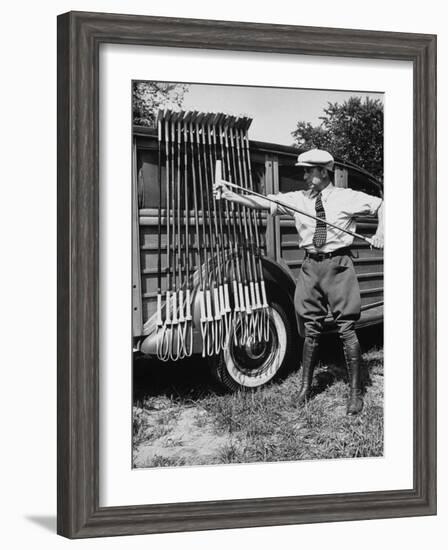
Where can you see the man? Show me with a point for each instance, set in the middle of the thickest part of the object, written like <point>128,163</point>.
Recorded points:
<point>327,278</point>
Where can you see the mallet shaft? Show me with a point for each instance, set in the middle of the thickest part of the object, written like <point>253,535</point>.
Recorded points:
<point>289,207</point>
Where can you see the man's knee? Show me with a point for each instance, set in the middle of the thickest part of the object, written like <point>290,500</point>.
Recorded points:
<point>309,328</point>
<point>348,334</point>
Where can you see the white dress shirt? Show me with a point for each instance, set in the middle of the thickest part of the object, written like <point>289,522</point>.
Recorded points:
<point>340,205</point>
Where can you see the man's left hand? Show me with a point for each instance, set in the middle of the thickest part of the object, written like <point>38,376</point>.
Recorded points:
<point>377,240</point>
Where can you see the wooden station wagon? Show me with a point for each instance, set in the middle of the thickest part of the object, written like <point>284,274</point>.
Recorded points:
<point>273,168</point>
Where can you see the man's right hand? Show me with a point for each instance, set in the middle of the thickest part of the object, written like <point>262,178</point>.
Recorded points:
<point>221,191</point>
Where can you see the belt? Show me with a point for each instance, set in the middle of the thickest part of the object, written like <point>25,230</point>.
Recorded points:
<point>319,256</point>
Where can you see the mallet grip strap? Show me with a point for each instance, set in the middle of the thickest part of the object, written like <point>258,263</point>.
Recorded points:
<point>218,178</point>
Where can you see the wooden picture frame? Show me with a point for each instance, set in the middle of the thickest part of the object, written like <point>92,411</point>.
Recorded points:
<point>79,38</point>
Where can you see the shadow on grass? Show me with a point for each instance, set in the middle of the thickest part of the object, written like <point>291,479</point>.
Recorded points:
<point>191,379</point>
<point>332,356</point>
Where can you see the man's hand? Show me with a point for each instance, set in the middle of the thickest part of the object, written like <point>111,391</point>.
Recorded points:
<point>221,191</point>
<point>377,240</point>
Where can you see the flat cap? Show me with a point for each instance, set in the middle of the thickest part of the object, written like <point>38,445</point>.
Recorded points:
<point>316,157</point>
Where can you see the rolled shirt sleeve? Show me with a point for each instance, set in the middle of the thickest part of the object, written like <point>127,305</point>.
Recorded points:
<point>291,198</point>
<point>361,203</point>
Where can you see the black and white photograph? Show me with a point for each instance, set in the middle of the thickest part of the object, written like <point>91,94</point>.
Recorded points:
<point>257,274</point>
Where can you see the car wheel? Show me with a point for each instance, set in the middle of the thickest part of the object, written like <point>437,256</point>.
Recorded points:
<point>255,364</point>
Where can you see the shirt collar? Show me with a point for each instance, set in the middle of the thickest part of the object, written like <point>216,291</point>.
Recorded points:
<point>324,193</point>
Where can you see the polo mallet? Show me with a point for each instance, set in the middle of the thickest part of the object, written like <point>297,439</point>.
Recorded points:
<point>211,290</point>
<point>205,298</point>
<point>188,328</point>
<point>182,324</point>
<point>200,253</point>
<point>245,308</point>
<point>289,207</point>
<point>260,290</point>
<point>159,321</point>
<point>231,259</point>
<point>172,320</point>
<point>261,307</point>
<point>234,260</point>
<point>215,252</point>
<point>164,341</point>
<point>242,218</point>
<point>174,351</point>
<point>249,235</point>
<point>238,292</point>
<point>221,240</point>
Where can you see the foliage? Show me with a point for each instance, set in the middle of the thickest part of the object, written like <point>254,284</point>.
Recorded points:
<point>351,131</point>
<point>149,97</point>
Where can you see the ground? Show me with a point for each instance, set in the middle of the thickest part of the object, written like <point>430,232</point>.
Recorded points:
<point>181,418</point>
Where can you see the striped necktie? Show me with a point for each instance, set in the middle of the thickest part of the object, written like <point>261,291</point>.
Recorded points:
<point>320,234</point>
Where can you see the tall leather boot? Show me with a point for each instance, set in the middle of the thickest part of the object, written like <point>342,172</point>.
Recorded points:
<point>309,358</point>
<point>352,352</point>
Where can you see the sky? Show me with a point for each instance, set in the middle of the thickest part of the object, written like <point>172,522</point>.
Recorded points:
<point>275,111</point>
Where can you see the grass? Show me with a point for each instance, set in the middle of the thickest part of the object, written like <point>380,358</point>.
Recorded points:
<point>159,461</point>
<point>265,425</point>
<point>157,425</point>
<point>268,426</point>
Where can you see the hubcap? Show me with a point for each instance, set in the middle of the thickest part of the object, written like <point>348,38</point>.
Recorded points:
<point>254,349</point>
<point>254,363</point>
<point>254,356</point>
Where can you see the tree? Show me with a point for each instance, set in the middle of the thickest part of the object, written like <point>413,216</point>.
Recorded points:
<point>149,97</point>
<point>351,131</point>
